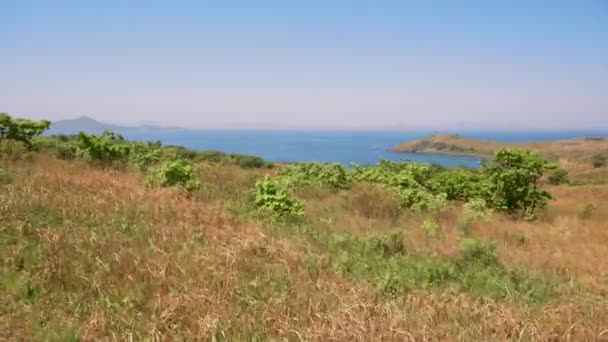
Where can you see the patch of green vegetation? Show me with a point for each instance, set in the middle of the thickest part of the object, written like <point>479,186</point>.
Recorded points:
<point>384,261</point>
<point>175,173</point>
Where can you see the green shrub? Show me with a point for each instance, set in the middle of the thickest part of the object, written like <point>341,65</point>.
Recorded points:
<point>559,176</point>
<point>476,208</point>
<point>513,179</point>
<point>22,130</point>
<point>598,160</point>
<point>431,229</point>
<point>175,173</point>
<point>330,175</point>
<point>273,198</point>
<point>107,148</point>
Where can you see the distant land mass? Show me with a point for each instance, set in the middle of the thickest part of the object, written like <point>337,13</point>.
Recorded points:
<point>575,149</point>
<point>90,125</point>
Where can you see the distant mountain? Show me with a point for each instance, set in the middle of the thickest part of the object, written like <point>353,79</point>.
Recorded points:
<point>90,125</point>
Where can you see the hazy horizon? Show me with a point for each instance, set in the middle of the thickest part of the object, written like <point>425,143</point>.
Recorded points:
<point>314,65</point>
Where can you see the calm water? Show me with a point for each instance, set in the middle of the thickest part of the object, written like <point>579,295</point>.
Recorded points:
<point>340,146</point>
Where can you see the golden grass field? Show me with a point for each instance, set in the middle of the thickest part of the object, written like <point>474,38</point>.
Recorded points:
<point>90,253</point>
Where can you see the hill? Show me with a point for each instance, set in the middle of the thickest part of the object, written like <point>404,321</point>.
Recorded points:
<point>578,148</point>
<point>90,125</point>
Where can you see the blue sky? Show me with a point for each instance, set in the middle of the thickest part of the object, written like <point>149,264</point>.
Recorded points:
<point>309,64</point>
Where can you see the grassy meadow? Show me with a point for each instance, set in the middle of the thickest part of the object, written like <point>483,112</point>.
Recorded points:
<point>97,251</point>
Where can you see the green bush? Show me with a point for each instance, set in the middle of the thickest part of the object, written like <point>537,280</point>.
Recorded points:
<point>598,160</point>
<point>22,130</point>
<point>476,208</point>
<point>330,175</point>
<point>107,148</point>
<point>175,173</point>
<point>513,179</point>
<point>273,198</point>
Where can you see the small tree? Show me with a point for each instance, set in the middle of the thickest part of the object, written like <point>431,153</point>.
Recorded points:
<point>22,130</point>
<point>598,160</point>
<point>514,176</point>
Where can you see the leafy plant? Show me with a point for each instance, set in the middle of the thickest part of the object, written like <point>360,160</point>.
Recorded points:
<point>272,197</point>
<point>175,173</point>
<point>107,148</point>
<point>476,208</point>
<point>22,130</point>
<point>330,175</point>
<point>513,179</point>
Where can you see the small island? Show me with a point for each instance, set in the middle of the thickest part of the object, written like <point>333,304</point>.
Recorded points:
<point>574,149</point>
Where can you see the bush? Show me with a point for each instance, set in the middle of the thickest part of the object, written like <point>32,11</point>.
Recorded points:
<point>330,175</point>
<point>476,208</point>
<point>271,197</point>
<point>513,179</point>
<point>598,160</point>
<point>559,176</point>
<point>107,148</point>
<point>175,173</point>
<point>22,130</point>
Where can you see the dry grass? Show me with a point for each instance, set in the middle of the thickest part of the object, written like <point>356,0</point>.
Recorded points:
<point>92,254</point>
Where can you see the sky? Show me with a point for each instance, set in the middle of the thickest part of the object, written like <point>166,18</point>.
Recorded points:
<point>309,64</point>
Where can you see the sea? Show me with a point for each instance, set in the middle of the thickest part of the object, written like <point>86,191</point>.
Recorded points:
<point>345,147</point>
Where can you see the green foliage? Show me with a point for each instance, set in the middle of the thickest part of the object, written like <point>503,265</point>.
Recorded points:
<point>271,196</point>
<point>175,173</point>
<point>431,229</point>
<point>242,160</point>
<point>330,175</point>
<point>22,130</point>
<point>598,160</point>
<point>559,176</point>
<point>107,148</point>
<point>476,208</point>
<point>411,182</point>
<point>460,184</point>
<point>513,177</point>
